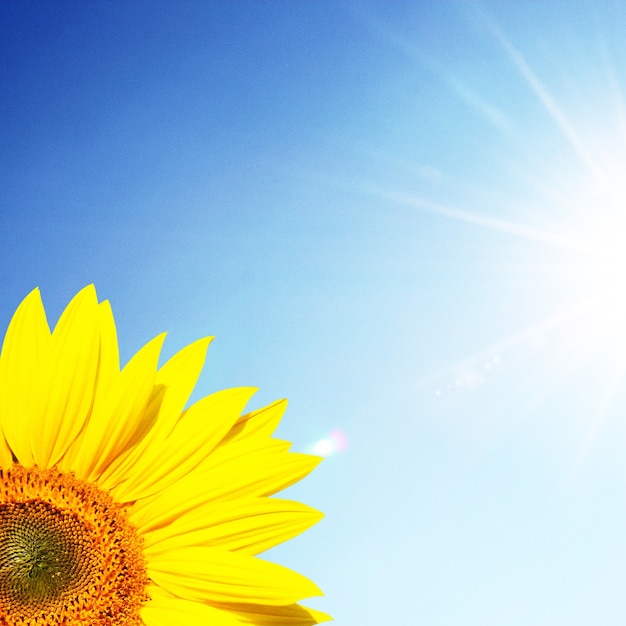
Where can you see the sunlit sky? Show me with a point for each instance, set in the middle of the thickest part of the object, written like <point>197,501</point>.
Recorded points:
<point>409,218</point>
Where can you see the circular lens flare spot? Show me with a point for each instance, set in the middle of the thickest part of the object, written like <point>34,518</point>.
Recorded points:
<point>336,441</point>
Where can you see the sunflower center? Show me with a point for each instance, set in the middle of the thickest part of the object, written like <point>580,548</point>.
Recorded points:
<point>68,554</point>
<point>44,553</point>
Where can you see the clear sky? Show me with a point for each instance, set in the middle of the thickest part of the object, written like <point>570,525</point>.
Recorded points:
<point>406,217</point>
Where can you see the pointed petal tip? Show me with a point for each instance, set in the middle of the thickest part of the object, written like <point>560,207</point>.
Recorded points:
<point>32,295</point>
<point>88,292</point>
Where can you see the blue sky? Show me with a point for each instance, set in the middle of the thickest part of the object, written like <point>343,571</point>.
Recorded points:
<point>406,217</point>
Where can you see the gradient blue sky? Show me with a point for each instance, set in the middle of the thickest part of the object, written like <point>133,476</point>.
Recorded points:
<point>406,217</point>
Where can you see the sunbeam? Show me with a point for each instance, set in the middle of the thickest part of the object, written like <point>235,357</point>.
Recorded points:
<point>491,223</point>
<point>582,223</point>
<point>547,100</point>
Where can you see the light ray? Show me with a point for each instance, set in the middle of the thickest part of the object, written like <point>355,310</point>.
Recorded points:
<point>491,223</point>
<point>528,334</point>
<point>475,101</point>
<point>588,233</point>
<point>613,86</point>
<point>597,419</point>
<point>550,104</point>
<point>413,51</point>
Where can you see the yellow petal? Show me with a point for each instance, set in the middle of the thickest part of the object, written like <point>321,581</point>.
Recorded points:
<point>109,366</point>
<point>123,416</point>
<point>180,375</point>
<point>262,615</point>
<point>108,372</point>
<point>250,525</point>
<point>194,437</point>
<point>6,458</point>
<point>254,468</point>
<point>259,424</point>
<point>68,382</point>
<point>230,472</point>
<point>24,352</point>
<point>211,575</point>
<point>166,610</point>
<point>177,377</point>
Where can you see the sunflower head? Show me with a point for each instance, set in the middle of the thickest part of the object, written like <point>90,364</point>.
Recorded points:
<point>120,504</point>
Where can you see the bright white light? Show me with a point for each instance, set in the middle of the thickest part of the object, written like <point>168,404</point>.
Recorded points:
<point>335,442</point>
<point>324,447</point>
<point>598,281</point>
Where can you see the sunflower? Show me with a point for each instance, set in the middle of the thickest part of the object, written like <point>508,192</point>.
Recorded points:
<point>118,505</point>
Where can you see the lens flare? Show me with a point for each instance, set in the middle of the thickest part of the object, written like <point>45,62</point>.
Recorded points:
<point>336,441</point>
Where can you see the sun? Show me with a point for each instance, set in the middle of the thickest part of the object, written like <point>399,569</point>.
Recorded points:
<point>553,181</point>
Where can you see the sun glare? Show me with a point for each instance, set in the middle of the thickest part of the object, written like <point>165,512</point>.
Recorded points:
<point>579,221</point>
<point>598,281</point>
